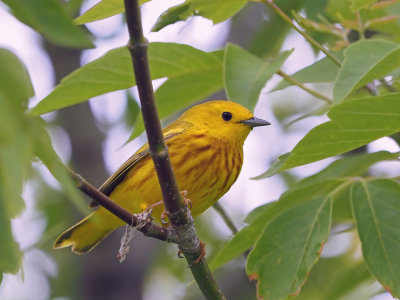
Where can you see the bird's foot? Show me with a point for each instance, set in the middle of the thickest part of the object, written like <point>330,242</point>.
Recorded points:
<point>180,253</point>
<point>202,253</point>
<point>186,200</point>
<point>164,216</point>
<point>199,258</point>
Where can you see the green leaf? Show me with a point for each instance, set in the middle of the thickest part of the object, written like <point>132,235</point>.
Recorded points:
<point>45,152</point>
<point>192,75</point>
<point>376,208</point>
<point>103,9</point>
<point>359,4</point>
<point>338,277</point>
<point>349,166</point>
<point>16,152</point>
<point>286,250</point>
<point>381,20</point>
<point>174,60</point>
<point>138,128</point>
<point>319,111</point>
<point>16,84</point>
<point>365,61</point>
<point>49,18</point>
<point>342,205</point>
<point>217,10</point>
<point>244,239</point>
<point>260,217</point>
<point>113,71</point>
<point>257,212</point>
<point>322,71</point>
<point>245,74</point>
<point>15,143</point>
<point>353,124</point>
<point>315,9</point>
<point>10,255</point>
<point>172,15</point>
<point>350,278</point>
<point>276,167</point>
<point>15,161</point>
<point>178,92</point>
<point>276,29</point>
<point>132,110</point>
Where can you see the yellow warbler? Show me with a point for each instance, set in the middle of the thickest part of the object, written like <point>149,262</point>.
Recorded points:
<point>206,150</point>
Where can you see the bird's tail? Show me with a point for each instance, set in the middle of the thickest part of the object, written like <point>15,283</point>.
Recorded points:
<point>85,235</point>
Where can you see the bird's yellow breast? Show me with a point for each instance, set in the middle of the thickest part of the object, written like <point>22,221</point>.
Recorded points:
<point>206,170</point>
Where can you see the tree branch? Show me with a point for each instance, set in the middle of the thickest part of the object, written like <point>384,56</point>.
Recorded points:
<point>148,229</point>
<point>179,215</point>
<point>158,149</point>
<point>228,221</point>
<point>302,86</point>
<point>286,18</point>
<point>201,272</point>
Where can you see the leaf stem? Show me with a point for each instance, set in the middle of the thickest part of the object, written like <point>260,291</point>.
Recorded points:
<point>286,18</point>
<point>302,86</point>
<point>178,213</point>
<point>228,221</point>
<point>388,86</point>
<point>361,30</point>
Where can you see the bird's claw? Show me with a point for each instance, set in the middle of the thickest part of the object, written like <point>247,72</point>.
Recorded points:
<point>164,217</point>
<point>180,254</point>
<point>186,200</point>
<point>201,255</point>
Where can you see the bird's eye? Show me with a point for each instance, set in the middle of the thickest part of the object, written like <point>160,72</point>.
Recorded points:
<point>226,116</point>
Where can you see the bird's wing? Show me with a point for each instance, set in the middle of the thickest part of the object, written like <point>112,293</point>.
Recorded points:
<point>111,183</point>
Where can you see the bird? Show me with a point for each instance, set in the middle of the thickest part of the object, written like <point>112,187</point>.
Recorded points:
<point>205,145</point>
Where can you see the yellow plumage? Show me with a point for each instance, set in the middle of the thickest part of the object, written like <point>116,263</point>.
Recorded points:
<point>206,150</point>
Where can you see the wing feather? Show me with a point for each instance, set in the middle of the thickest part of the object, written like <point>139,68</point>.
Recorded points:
<point>143,153</point>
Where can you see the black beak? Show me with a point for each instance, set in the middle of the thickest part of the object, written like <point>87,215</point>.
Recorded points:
<point>255,122</point>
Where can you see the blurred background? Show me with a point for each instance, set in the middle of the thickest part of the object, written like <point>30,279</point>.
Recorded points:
<point>91,137</point>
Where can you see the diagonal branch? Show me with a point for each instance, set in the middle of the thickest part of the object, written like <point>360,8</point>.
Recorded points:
<point>286,18</point>
<point>201,272</point>
<point>305,88</point>
<point>148,229</point>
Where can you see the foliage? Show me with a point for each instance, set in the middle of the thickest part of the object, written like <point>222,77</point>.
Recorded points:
<point>286,237</point>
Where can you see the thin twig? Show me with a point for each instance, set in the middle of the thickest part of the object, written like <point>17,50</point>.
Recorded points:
<point>388,86</point>
<point>286,18</point>
<point>361,30</point>
<point>179,215</point>
<point>302,86</point>
<point>228,221</point>
<point>201,271</point>
<point>150,229</point>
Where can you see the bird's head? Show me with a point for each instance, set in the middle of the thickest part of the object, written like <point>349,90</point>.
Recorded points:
<point>223,119</point>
